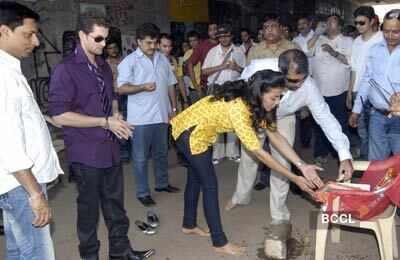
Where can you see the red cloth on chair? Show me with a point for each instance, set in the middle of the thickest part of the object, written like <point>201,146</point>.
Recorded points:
<point>367,204</point>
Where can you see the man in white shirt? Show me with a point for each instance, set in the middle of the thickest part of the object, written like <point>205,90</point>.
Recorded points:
<point>331,71</point>
<point>223,63</point>
<point>304,27</point>
<point>302,91</point>
<point>27,157</point>
<point>364,20</point>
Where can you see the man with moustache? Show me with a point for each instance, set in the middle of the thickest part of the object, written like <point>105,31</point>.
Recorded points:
<point>302,91</point>
<point>147,78</point>
<point>28,160</point>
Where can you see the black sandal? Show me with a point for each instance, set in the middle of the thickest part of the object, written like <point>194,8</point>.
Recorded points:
<point>152,219</point>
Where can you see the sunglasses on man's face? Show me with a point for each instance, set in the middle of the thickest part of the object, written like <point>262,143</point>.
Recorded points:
<point>98,39</point>
<point>361,23</point>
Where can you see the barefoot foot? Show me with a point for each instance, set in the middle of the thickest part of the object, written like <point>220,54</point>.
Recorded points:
<point>203,232</point>
<point>230,205</point>
<point>230,249</point>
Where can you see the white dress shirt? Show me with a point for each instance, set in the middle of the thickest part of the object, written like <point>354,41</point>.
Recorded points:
<point>330,74</point>
<point>216,56</point>
<point>359,55</point>
<point>24,137</point>
<point>302,41</point>
<point>309,95</point>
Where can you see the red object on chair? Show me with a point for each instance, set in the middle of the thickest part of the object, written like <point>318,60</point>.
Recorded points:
<point>364,205</point>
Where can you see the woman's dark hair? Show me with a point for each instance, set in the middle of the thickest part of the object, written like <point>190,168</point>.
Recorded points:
<point>251,92</point>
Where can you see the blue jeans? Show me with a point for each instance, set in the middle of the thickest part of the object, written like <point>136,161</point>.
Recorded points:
<point>337,106</point>
<point>23,241</point>
<point>201,177</point>
<point>150,138</point>
<point>384,136</point>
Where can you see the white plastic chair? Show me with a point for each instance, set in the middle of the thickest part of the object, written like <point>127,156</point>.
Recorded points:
<point>383,226</point>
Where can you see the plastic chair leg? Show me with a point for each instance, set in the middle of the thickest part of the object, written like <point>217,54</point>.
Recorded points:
<point>385,238</point>
<point>335,233</point>
<point>395,244</point>
<point>320,241</point>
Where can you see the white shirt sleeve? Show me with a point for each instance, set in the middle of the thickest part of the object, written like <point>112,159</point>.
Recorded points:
<point>329,124</point>
<point>240,58</point>
<point>208,61</point>
<point>13,156</point>
<point>362,93</point>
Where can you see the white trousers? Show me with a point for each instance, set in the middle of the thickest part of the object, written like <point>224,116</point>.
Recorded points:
<point>230,148</point>
<point>279,185</point>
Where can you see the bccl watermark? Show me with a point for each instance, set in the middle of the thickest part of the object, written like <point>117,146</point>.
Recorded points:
<point>337,218</point>
<point>318,218</point>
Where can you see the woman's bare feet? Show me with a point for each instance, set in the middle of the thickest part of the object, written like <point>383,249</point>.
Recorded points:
<point>230,205</point>
<point>203,232</point>
<point>230,249</point>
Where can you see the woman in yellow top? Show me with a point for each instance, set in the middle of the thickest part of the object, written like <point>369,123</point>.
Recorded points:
<point>243,108</point>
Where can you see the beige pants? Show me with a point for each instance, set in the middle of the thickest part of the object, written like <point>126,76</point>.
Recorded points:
<point>228,148</point>
<point>247,174</point>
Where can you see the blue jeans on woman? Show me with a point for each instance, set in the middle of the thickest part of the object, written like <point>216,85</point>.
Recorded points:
<point>201,177</point>
<point>23,240</point>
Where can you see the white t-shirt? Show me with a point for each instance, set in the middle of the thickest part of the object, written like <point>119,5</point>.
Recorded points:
<point>216,56</point>
<point>330,74</point>
<point>359,55</point>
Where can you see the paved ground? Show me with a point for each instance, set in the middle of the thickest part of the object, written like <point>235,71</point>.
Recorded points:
<point>243,225</point>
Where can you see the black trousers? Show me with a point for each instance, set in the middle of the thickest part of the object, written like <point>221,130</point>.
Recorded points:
<point>101,188</point>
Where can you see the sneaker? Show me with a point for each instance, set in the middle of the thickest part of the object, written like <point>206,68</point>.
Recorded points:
<point>215,161</point>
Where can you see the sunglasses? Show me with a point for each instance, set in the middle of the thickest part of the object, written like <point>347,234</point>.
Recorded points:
<point>361,23</point>
<point>98,39</point>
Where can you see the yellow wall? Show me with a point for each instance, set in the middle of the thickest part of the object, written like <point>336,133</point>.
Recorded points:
<point>188,10</point>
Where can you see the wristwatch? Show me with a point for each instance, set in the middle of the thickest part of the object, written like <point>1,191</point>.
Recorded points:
<point>299,164</point>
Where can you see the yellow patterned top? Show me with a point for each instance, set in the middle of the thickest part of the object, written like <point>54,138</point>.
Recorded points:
<point>213,118</point>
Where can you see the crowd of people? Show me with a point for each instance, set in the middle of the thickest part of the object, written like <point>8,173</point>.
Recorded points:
<point>215,100</point>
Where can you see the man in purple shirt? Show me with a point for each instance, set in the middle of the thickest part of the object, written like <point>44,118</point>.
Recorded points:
<point>81,100</point>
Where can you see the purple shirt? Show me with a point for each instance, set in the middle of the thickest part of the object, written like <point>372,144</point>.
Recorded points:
<point>74,88</point>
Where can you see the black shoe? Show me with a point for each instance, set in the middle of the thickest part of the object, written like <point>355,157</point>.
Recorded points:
<point>152,219</point>
<point>135,255</point>
<point>145,228</point>
<point>260,186</point>
<point>1,230</point>
<point>169,188</point>
<point>147,201</point>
